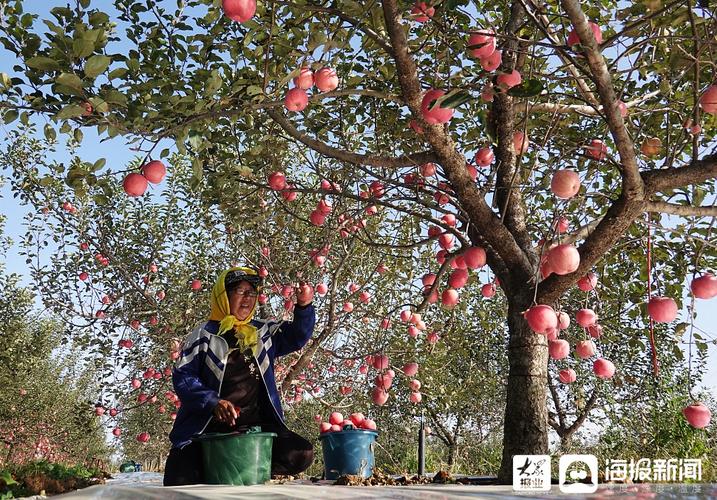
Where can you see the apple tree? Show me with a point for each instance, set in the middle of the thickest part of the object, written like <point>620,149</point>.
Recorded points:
<point>546,136</point>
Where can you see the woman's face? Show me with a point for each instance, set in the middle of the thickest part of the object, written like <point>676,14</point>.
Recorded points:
<point>241,301</point>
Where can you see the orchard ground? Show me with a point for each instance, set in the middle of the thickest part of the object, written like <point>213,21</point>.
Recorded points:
<point>146,486</point>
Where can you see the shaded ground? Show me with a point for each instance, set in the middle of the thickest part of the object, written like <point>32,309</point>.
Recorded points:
<point>147,486</point>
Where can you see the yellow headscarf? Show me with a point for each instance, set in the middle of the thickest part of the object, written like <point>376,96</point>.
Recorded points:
<point>244,331</point>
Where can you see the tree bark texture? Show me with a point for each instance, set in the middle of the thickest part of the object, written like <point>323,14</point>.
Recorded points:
<point>525,426</point>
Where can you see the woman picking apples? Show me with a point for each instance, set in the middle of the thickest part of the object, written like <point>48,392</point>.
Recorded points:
<point>225,377</point>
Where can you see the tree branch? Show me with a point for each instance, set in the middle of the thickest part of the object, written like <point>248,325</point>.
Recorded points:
<point>480,214</point>
<point>584,414</point>
<point>695,173</point>
<point>370,32</point>
<point>632,185</point>
<point>348,156</point>
<point>508,172</point>
<point>582,109</point>
<point>686,210</point>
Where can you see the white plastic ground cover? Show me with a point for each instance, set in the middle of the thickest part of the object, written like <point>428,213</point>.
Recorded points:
<point>144,491</point>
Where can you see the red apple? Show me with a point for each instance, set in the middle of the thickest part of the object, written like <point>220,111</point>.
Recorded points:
<point>143,437</point>
<point>305,80</point>
<point>662,309</point>
<point>326,79</point>
<point>380,362</point>
<point>296,99</point>
<point>708,100</point>
<point>154,171</point>
<point>369,424</point>
<point>428,169</point>
<point>565,184</point>
<point>449,298</point>
<point>563,259</point>
<point>704,287</point>
<point>558,349</point>
<point>379,396</point>
<point>239,10</point>
<point>422,12</point>
<point>541,318</point>
<point>493,61</point>
<point>697,415</point>
<point>135,184</point>
<point>508,80</point>
<point>586,317</point>
<point>484,157</point>
<point>573,38</point>
<point>587,282</point>
<point>520,143</point>
<point>567,376</point>
<point>415,397</point>
<point>585,349</point>
<point>481,44</point>
<point>603,368</point>
<point>597,150</point>
<point>277,181</point>
<point>475,257</point>
<point>410,369</point>
<point>435,114</point>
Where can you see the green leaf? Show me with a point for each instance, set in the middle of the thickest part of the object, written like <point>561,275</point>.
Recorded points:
<point>253,90</point>
<point>118,73</point>
<point>214,83</point>
<point>10,116</point>
<point>197,169</point>
<point>43,63</point>
<point>98,164</point>
<point>50,133</point>
<point>528,88</point>
<point>96,65</point>
<point>7,478</point>
<point>5,80</point>
<point>70,111</point>
<point>455,98</point>
<point>115,97</point>
<point>99,105</point>
<point>78,135</point>
<point>69,80</point>
<point>101,199</point>
<point>82,47</point>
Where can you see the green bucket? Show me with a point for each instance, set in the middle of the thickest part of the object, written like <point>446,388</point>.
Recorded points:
<point>241,459</point>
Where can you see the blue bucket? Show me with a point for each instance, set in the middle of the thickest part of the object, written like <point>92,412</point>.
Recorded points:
<point>349,451</point>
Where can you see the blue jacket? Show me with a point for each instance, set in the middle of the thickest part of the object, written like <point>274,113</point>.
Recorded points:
<point>198,373</point>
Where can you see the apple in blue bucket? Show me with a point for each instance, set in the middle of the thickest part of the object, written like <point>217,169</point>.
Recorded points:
<point>337,422</point>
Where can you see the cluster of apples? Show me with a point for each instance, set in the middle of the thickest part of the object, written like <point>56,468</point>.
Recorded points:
<point>135,184</point>
<point>337,422</point>
<point>384,380</point>
<point>471,258</point>
<point>325,79</point>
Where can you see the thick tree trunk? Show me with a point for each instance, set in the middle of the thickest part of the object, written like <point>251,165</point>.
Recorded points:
<point>452,453</point>
<point>525,429</point>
